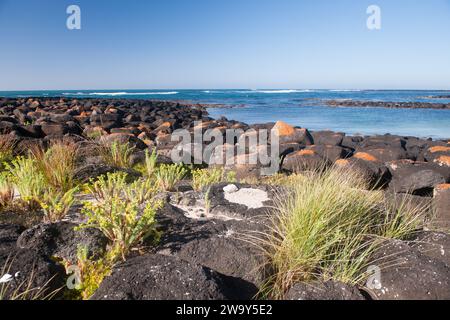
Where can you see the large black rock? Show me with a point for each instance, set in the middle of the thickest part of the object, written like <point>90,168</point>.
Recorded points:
<point>159,277</point>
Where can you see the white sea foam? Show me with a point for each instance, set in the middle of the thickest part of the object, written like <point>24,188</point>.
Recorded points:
<point>345,90</point>
<point>285,91</point>
<point>114,94</point>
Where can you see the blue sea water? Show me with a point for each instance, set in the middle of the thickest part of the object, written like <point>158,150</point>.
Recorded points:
<point>303,108</point>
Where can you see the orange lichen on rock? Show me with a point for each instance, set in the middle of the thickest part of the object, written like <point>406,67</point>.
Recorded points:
<point>442,187</point>
<point>342,162</point>
<point>443,160</point>
<point>439,149</point>
<point>365,156</point>
<point>306,153</point>
<point>283,129</point>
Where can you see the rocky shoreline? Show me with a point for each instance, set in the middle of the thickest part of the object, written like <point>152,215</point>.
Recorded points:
<point>200,255</point>
<point>390,105</point>
<point>439,97</point>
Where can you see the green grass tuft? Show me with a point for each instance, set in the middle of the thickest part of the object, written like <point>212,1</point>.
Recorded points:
<point>327,227</point>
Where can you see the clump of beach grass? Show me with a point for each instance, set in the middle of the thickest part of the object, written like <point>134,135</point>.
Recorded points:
<point>150,163</point>
<point>57,164</point>
<point>327,227</point>
<point>116,154</point>
<point>168,176</point>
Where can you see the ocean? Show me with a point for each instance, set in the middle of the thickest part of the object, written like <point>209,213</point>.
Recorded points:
<point>303,108</point>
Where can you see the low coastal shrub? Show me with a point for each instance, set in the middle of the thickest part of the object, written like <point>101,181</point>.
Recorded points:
<point>116,154</point>
<point>124,213</point>
<point>6,191</point>
<point>57,164</point>
<point>89,274</point>
<point>167,176</point>
<point>327,227</point>
<point>56,204</point>
<point>203,178</point>
<point>29,181</point>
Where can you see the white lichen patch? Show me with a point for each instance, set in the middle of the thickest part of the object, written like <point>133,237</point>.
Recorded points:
<point>251,198</point>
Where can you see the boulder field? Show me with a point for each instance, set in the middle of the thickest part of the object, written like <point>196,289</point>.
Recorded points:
<point>201,255</point>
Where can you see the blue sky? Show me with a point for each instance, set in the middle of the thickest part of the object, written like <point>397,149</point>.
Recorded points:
<point>160,44</point>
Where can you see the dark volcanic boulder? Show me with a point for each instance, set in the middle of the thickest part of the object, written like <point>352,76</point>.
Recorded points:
<point>351,142</point>
<point>435,245</point>
<point>382,142</point>
<point>328,138</point>
<point>30,270</point>
<point>54,129</point>
<point>304,160</point>
<point>435,153</point>
<point>62,241</point>
<point>106,121</point>
<point>123,138</point>
<point>407,274</point>
<point>331,152</point>
<point>31,131</point>
<point>386,154</point>
<point>323,291</point>
<point>374,172</point>
<point>159,277</point>
<point>218,245</point>
<point>289,134</point>
<point>9,233</point>
<point>416,178</point>
<point>441,206</point>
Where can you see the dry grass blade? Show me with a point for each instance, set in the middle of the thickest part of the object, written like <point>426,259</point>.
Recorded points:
<point>57,164</point>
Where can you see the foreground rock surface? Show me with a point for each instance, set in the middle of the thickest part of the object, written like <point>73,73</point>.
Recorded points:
<point>407,274</point>
<point>333,291</point>
<point>159,277</point>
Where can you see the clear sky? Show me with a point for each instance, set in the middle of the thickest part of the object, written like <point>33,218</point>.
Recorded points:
<point>161,44</point>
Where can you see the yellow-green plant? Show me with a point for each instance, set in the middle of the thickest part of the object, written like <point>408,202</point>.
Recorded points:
<point>124,213</point>
<point>56,204</point>
<point>6,191</point>
<point>150,163</point>
<point>90,273</point>
<point>116,154</point>
<point>57,164</point>
<point>203,178</point>
<point>327,227</point>
<point>167,176</point>
<point>29,181</point>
